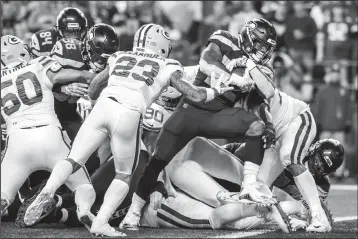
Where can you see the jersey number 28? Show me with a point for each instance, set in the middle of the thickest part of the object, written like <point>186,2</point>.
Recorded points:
<point>21,92</point>
<point>125,70</point>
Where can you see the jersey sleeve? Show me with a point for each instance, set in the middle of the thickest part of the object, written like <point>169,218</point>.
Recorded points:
<point>112,61</point>
<point>225,41</point>
<point>44,64</point>
<point>68,53</point>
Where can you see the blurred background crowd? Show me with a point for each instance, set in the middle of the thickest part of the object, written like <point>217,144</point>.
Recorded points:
<point>315,60</point>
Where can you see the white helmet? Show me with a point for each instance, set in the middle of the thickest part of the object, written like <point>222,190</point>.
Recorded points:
<point>154,38</point>
<point>13,51</point>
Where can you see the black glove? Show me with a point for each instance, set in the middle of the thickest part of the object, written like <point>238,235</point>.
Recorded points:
<point>269,136</point>
<point>232,147</point>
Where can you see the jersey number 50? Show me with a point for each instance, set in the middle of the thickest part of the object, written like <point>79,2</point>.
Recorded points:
<point>125,70</point>
<point>20,87</point>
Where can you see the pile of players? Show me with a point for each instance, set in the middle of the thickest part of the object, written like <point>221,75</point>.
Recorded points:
<point>167,173</point>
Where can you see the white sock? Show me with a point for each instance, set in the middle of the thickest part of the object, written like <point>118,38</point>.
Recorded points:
<point>60,173</point>
<point>64,216</point>
<point>137,203</point>
<point>250,173</point>
<point>84,198</point>
<point>308,189</point>
<point>114,196</point>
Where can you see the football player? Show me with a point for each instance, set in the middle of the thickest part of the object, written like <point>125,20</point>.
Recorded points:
<point>218,118</point>
<point>135,79</point>
<point>71,23</point>
<point>34,136</point>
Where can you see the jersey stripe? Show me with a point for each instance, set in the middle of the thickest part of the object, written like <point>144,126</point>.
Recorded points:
<point>224,40</point>
<point>140,33</point>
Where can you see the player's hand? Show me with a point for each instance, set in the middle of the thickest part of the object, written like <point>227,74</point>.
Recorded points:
<point>84,106</point>
<point>269,136</point>
<point>238,62</point>
<point>75,89</point>
<point>217,83</point>
<point>156,200</point>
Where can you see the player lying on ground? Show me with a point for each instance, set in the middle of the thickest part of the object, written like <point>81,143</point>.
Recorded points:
<point>218,118</point>
<point>34,136</point>
<point>135,79</point>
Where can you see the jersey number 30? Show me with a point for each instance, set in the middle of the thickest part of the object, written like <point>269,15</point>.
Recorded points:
<point>20,86</point>
<point>146,76</point>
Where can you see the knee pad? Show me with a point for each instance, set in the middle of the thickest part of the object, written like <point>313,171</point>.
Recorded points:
<point>256,128</point>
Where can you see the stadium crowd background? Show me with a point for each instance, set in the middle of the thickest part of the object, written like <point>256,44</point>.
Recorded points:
<point>315,61</point>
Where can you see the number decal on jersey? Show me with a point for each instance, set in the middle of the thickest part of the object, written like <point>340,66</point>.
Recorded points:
<point>20,86</point>
<point>146,76</point>
<point>47,36</point>
<point>156,114</point>
<point>69,44</point>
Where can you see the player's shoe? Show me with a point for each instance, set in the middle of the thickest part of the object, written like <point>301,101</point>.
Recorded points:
<point>319,223</point>
<point>4,205</point>
<point>297,224</point>
<point>131,220</point>
<point>38,207</point>
<point>277,215</point>
<point>105,230</point>
<point>257,193</point>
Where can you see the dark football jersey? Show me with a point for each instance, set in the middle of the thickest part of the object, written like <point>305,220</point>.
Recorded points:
<point>230,49</point>
<point>43,41</point>
<point>69,53</point>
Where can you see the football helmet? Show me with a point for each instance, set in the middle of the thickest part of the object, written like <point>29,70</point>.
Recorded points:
<point>71,23</point>
<point>258,40</point>
<point>324,157</point>
<point>153,37</point>
<point>101,42</point>
<point>13,51</point>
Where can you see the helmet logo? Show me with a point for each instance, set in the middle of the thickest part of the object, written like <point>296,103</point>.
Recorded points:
<point>165,34</point>
<point>328,161</point>
<point>14,40</point>
<point>252,25</point>
<point>90,35</point>
<point>73,25</point>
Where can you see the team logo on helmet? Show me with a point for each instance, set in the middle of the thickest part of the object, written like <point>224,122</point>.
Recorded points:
<point>165,34</point>
<point>252,25</point>
<point>91,35</point>
<point>14,40</point>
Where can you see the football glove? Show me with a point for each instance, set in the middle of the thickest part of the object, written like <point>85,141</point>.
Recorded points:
<point>217,83</point>
<point>269,136</point>
<point>84,107</point>
<point>238,62</point>
<point>75,89</point>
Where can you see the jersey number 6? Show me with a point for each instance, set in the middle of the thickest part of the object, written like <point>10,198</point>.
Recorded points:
<point>146,76</point>
<point>20,86</point>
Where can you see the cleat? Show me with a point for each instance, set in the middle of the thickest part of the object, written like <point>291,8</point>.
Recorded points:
<point>328,213</point>
<point>105,230</point>
<point>257,193</point>
<point>36,208</point>
<point>297,224</point>
<point>226,197</point>
<point>86,219</point>
<point>4,205</point>
<point>319,223</point>
<point>280,217</point>
<point>131,220</point>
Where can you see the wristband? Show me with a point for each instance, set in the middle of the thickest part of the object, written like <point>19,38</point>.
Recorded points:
<point>210,94</point>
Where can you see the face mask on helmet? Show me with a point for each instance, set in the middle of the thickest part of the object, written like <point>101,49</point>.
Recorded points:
<point>73,31</point>
<point>258,42</point>
<point>72,24</point>
<point>96,61</point>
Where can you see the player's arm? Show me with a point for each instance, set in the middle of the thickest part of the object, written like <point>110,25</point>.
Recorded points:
<point>211,61</point>
<point>195,93</point>
<point>59,75</point>
<point>98,83</point>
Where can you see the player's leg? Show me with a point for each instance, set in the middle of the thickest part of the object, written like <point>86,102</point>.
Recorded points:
<point>177,131</point>
<point>199,159</point>
<point>234,123</point>
<point>271,166</point>
<point>16,165</point>
<point>124,129</point>
<point>295,143</point>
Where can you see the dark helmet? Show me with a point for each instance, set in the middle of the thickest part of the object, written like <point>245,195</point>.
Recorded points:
<point>72,23</point>
<point>258,39</point>
<point>102,41</point>
<point>325,157</point>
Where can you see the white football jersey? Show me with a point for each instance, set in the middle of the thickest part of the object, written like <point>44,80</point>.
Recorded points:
<point>155,117</point>
<point>26,94</point>
<point>138,78</point>
<point>284,109</point>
